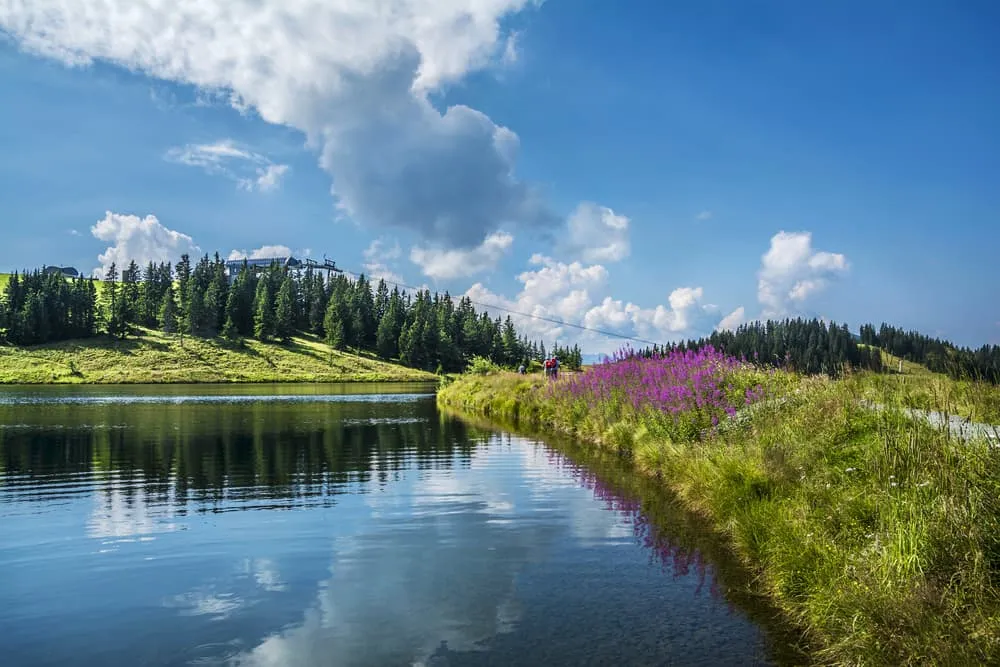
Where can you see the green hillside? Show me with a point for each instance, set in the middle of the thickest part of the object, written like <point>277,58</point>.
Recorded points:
<point>897,365</point>
<point>160,358</point>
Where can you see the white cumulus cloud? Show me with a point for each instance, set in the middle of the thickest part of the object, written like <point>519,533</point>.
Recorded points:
<point>556,292</point>
<point>378,261</point>
<point>444,263</point>
<point>250,170</point>
<point>733,320</point>
<point>791,271</point>
<point>263,252</point>
<point>598,234</point>
<point>354,75</point>
<point>141,240</point>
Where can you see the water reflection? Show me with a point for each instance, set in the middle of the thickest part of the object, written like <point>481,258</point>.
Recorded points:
<point>337,532</point>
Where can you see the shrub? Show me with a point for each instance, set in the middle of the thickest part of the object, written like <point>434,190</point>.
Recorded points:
<point>482,366</point>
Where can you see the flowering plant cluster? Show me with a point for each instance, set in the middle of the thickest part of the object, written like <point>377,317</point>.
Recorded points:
<point>693,388</point>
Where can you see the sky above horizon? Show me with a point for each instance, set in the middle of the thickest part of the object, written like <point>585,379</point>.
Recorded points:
<point>658,172</point>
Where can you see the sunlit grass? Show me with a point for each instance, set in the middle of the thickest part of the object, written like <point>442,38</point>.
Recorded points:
<point>156,357</point>
<point>877,534</point>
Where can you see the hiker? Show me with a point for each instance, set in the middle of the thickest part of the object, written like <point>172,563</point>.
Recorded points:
<point>521,369</point>
<point>555,367</point>
<point>549,367</point>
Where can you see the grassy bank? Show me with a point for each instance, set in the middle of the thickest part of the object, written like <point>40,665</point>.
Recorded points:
<point>159,358</point>
<point>875,533</point>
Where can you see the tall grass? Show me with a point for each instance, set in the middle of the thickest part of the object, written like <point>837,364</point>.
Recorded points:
<point>877,534</point>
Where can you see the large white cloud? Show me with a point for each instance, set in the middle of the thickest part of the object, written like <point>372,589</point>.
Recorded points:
<point>443,263</point>
<point>354,75</point>
<point>576,294</point>
<point>379,259</point>
<point>263,252</point>
<point>141,240</point>
<point>733,320</point>
<point>791,271</point>
<point>250,170</point>
<point>598,234</point>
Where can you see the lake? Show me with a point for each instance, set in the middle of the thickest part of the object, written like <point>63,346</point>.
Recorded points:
<point>340,525</point>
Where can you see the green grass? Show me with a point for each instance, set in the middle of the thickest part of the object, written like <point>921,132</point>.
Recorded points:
<point>160,358</point>
<point>876,534</point>
<point>893,364</point>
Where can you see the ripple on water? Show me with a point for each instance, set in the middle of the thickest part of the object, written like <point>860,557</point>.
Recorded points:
<point>363,528</point>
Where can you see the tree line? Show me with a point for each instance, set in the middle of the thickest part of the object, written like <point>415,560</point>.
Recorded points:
<point>938,355</point>
<point>39,308</point>
<point>806,346</point>
<point>422,330</point>
<point>815,347</point>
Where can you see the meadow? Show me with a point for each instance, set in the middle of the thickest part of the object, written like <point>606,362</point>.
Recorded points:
<point>155,357</point>
<point>874,532</point>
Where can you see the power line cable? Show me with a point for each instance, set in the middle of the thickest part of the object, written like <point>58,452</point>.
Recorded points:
<point>551,320</point>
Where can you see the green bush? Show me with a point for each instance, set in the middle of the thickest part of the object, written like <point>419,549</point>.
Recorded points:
<point>483,366</point>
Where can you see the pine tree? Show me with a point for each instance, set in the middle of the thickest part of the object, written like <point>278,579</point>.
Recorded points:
<point>240,304</point>
<point>211,307</point>
<point>333,325</point>
<point>111,296</point>
<point>263,321</point>
<point>511,348</point>
<point>284,322</point>
<point>317,304</point>
<point>183,278</point>
<point>390,327</point>
<point>230,330</point>
<point>131,289</point>
<point>381,300</point>
<point>194,315</point>
<point>168,311</point>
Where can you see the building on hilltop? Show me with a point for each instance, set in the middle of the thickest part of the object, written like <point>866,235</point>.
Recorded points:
<point>66,271</point>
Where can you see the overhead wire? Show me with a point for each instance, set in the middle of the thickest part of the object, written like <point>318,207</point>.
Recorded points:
<point>533,316</point>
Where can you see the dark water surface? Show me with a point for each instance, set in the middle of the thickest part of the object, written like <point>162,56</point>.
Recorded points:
<point>336,525</point>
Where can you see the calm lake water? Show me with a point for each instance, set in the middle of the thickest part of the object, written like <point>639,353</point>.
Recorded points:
<point>338,525</point>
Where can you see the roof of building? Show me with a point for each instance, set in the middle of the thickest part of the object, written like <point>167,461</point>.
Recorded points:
<point>65,270</point>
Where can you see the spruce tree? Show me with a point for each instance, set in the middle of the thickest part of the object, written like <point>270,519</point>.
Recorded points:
<point>168,311</point>
<point>284,322</point>
<point>333,327</point>
<point>111,299</point>
<point>213,296</point>
<point>230,330</point>
<point>389,327</point>
<point>317,304</point>
<point>263,319</point>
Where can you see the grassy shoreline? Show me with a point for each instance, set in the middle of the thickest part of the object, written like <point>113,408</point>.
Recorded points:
<point>157,358</point>
<point>876,534</point>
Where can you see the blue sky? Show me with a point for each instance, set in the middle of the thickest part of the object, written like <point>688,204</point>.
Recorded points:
<point>658,172</point>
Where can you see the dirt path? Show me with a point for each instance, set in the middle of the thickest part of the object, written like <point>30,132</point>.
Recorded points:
<point>960,428</point>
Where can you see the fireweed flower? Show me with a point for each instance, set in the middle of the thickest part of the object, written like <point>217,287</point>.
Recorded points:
<point>696,387</point>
